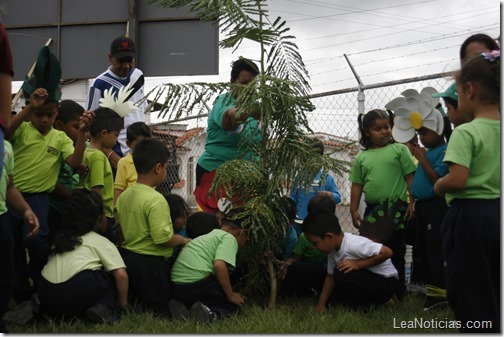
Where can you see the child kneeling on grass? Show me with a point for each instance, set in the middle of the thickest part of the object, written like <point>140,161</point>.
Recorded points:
<point>86,275</point>
<point>359,271</point>
<point>200,275</point>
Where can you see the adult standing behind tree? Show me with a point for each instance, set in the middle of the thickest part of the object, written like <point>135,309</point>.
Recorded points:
<point>121,72</point>
<point>227,134</point>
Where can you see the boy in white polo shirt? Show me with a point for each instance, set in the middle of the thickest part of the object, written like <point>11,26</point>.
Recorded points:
<point>359,271</point>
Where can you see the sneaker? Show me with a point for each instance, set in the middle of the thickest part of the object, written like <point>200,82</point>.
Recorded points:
<point>178,310</point>
<point>36,303</point>
<point>434,303</point>
<point>393,300</point>
<point>100,313</point>
<point>415,288</point>
<point>201,313</point>
<point>23,312</point>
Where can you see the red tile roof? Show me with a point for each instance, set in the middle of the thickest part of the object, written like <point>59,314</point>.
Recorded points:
<point>181,136</point>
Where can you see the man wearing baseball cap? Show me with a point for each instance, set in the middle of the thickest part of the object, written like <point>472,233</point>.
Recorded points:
<point>121,72</point>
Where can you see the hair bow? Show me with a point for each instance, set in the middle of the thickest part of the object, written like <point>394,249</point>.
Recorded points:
<point>491,56</point>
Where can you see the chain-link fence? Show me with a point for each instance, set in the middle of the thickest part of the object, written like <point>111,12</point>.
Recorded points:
<point>334,121</point>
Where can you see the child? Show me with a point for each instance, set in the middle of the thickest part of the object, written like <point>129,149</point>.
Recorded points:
<point>85,275</point>
<point>67,120</point>
<point>179,213</point>
<point>301,196</point>
<point>201,223</point>
<point>430,209</point>
<point>383,171</point>
<point>9,193</point>
<point>359,271</point>
<point>39,150</point>
<point>104,132</point>
<point>126,174</point>
<point>471,229</point>
<point>149,239</point>
<point>304,272</point>
<point>200,274</point>
<point>450,98</point>
<point>291,235</point>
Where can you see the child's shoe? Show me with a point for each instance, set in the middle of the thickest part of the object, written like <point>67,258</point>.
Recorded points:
<point>178,310</point>
<point>100,313</point>
<point>24,312</point>
<point>434,303</point>
<point>201,313</point>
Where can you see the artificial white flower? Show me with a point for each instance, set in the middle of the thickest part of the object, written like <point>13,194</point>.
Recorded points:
<point>121,105</point>
<point>414,110</point>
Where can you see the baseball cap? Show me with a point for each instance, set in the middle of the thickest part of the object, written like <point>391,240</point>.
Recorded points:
<point>122,47</point>
<point>451,93</point>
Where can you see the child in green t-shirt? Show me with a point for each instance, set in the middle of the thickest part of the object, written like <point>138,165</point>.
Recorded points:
<point>104,132</point>
<point>144,217</point>
<point>67,120</point>
<point>471,229</point>
<point>200,274</point>
<point>304,272</point>
<point>10,194</point>
<point>85,274</point>
<point>39,150</point>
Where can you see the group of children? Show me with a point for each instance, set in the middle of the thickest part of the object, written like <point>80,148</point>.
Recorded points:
<point>136,257</point>
<point>454,190</point>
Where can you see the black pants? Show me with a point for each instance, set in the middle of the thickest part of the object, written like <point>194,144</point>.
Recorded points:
<point>208,291</point>
<point>75,296</point>
<point>362,288</point>
<point>302,277</point>
<point>430,214</point>
<point>37,246</point>
<point>6,266</point>
<point>471,247</point>
<point>149,281</point>
<point>397,244</point>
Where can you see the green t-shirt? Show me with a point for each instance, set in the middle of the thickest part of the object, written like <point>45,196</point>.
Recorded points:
<point>7,169</point>
<point>144,216</point>
<point>476,145</point>
<point>94,253</point>
<point>38,158</point>
<point>100,174</point>
<point>222,145</point>
<point>68,180</point>
<point>308,252</point>
<point>196,260</point>
<point>381,172</point>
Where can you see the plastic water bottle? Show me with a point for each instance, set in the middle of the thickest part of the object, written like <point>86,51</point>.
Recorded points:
<point>408,259</point>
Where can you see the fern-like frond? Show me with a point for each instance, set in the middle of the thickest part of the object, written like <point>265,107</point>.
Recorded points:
<point>186,99</point>
<point>284,58</point>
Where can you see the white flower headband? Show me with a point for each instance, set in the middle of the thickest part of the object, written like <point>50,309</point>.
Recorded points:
<point>414,110</point>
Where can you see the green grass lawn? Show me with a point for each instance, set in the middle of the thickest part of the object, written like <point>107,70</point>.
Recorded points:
<point>294,316</point>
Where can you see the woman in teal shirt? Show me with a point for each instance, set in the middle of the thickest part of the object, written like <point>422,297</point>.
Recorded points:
<point>224,132</point>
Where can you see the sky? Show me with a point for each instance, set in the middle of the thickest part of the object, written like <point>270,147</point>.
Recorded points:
<point>384,40</point>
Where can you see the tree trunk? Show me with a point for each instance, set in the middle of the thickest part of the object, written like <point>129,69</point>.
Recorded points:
<point>273,283</point>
